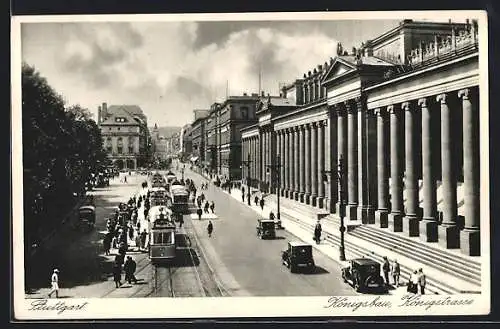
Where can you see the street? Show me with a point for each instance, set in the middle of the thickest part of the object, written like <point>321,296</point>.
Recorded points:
<point>233,262</point>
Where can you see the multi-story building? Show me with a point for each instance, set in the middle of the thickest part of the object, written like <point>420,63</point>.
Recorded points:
<point>211,133</point>
<point>401,118</point>
<point>234,114</point>
<point>125,135</point>
<point>186,139</point>
<point>198,137</point>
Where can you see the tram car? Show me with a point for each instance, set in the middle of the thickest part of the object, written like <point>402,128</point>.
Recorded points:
<point>158,196</point>
<point>162,244</point>
<point>158,180</point>
<point>179,196</point>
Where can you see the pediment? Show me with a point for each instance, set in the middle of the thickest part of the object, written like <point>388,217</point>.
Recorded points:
<point>337,69</point>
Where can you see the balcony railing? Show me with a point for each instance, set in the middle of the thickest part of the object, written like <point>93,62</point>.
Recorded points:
<point>443,45</point>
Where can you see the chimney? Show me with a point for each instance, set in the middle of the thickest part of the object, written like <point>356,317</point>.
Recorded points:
<point>104,111</point>
<point>99,115</point>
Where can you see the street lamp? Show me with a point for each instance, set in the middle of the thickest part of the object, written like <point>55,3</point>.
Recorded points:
<point>342,229</point>
<point>276,167</point>
<point>182,171</point>
<point>247,164</point>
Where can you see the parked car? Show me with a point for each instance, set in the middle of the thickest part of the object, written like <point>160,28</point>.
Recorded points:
<point>86,216</point>
<point>298,256</point>
<point>265,229</point>
<point>364,275</point>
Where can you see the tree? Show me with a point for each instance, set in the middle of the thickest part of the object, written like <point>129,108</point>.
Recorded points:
<point>61,148</point>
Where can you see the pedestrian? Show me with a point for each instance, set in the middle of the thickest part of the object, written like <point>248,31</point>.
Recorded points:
<point>317,232</point>
<point>55,283</point>
<point>212,207</point>
<point>106,242</point>
<point>181,220</point>
<point>243,190</point>
<point>256,200</point>
<point>396,271</point>
<point>125,179</point>
<point>210,228</point>
<point>421,281</point>
<point>130,231</point>
<point>413,282</point>
<point>271,215</point>
<point>117,274</point>
<point>386,267</point>
<point>129,269</point>
<point>243,196</point>
<point>199,212</point>
<point>143,239</point>
<point>202,197</point>
<point>207,205</point>
<point>262,203</point>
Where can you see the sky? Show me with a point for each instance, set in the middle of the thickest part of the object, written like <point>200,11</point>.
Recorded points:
<point>170,68</point>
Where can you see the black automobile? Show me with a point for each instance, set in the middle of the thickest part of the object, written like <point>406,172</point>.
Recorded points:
<point>298,256</point>
<point>265,229</point>
<point>364,275</point>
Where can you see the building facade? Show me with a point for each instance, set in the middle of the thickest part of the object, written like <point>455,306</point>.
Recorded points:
<point>198,137</point>
<point>211,132</point>
<point>236,113</point>
<point>401,117</point>
<point>125,135</point>
<point>186,141</point>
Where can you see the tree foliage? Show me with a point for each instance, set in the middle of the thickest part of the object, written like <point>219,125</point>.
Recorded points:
<point>62,147</point>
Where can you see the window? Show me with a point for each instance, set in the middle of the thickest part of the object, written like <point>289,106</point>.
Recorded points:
<point>120,119</point>
<point>119,149</point>
<point>244,112</point>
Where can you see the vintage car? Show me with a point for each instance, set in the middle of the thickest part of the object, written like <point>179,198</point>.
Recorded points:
<point>265,229</point>
<point>364,275</point>
<point>86,216</point>
<point>298,256</point>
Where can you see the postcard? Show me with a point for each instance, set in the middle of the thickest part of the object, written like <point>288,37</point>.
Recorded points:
<point>250,165</point>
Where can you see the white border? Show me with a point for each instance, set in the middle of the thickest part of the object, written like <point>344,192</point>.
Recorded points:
<point>238,306</point>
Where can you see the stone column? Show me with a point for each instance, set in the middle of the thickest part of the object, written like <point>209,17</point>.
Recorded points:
<point>286,163</point>
<point>282,162</point>
<point>296,166</point>
<point>321,163</point>
<point>362,165</point>
<point>396,215</point>
<point>302,163</point>
<point>307,147</point>
<point>342,145</point>
<point>470,237</point>
<point>411,222</point>
<point>382,212</point>
<point>352,161</point>
<point>428,225</point>
<point>314,163</point>
<point>448,232</point>
<point>371,166</point>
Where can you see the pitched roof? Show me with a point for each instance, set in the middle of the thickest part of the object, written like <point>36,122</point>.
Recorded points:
<point>120,112</point>
<point>133,110</point>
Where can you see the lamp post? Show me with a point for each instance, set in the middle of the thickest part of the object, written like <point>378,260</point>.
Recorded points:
<point>342,229</point>
<point>182,171</point>
<point>276,167</point>
<point>247,164</point>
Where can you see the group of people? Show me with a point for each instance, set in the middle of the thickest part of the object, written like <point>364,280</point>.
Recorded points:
<point>416,282</point>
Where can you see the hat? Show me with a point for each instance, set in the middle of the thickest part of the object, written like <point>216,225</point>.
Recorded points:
<point>56,270</point>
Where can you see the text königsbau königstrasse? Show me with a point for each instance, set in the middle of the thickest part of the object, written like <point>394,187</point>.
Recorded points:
<point>425,302</point>
<point>59,306</point>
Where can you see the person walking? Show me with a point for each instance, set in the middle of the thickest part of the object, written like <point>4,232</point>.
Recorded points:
<point>54,280</point>
<point>117,274</point>
<point>143,239</point>
<point>212,207</point>
<point>396,271</point>
<point>256,200</point>
<point>243,195</point>
<point>129,268</point>
<point>199,212</point>
<point>107,243</point>
<point>386,267</point>
<point>421,281</point>
<point>262,203</point>
<point>271,215</point>
<point>207,205</point>
<point>210,228</point>
<point>317,232</point>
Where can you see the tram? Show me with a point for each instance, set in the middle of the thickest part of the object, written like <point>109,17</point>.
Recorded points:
<point>179,196</point>
<point>158,196</point>
<point>162,244</point>
<point>171,177</point>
